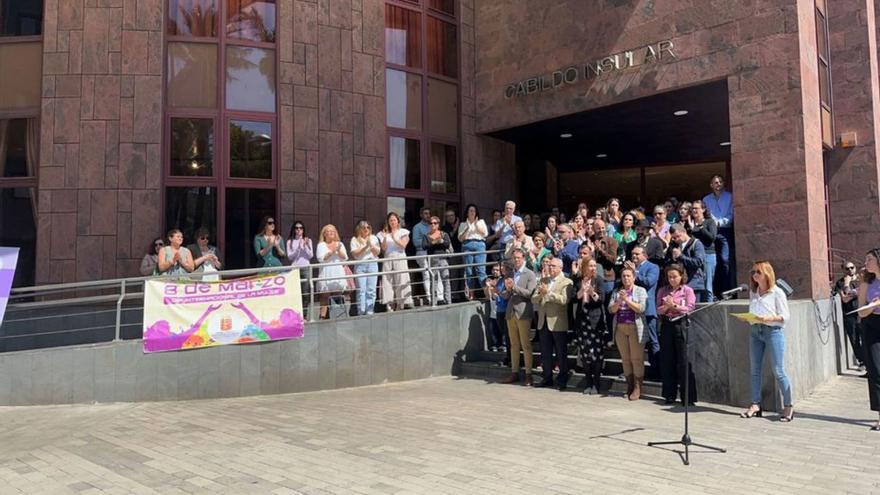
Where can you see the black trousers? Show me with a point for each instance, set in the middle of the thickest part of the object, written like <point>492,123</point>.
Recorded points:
<point>871,346</point>
<point>554,343</point>
<point>673,361</point>
<point>854,333</point>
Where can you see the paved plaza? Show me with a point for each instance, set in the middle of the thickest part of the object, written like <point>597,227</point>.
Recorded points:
<point>440,435</point>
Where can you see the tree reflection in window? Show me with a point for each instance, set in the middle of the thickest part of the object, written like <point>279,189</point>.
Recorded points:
<point>252,20</point>
<point>250,79</point>
<point>196,18</point>
<point>250,149</point>
<point>192,147</point>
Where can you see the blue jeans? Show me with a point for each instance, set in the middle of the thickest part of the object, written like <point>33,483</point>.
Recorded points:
<point>366,287</point>
<point>711,263</point>
<point>474,275</point>
<point>773,339</point>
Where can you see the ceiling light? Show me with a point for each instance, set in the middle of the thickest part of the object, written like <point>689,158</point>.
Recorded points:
<point>724,143</point>
<point>680,113</point>
<point>601,155</point>
<point>565,135</point>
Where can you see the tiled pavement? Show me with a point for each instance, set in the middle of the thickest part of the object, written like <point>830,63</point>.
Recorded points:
<point>440,435</point>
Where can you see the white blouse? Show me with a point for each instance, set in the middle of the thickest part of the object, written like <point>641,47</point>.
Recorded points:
<point>367,254</point>
<point>393,248</point>
<point>773,303</point>
<point>476,231</point>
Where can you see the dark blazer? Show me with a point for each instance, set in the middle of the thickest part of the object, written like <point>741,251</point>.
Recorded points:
<point>592,314</point>
<point>519,300</point>
<point>647,276</point>
<point>693,258</point>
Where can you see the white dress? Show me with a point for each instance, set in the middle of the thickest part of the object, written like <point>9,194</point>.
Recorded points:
<point>337,285</point>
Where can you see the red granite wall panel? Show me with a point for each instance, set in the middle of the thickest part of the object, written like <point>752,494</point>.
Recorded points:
<point>101,128</point>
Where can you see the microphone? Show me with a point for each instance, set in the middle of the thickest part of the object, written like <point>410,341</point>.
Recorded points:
<point>728,293</point>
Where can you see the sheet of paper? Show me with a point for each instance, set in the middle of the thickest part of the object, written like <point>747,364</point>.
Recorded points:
<point>749,318</point>
<point>866,306</point>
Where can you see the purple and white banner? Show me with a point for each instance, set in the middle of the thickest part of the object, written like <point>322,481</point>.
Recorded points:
<point>8,260</point>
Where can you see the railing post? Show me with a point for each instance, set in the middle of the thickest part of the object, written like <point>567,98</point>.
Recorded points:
<point>119,309</point>
<point>311,294</point>
<point>433,283</point>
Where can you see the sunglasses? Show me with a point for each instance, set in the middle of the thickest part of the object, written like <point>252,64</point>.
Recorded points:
<point>270,222</point>
<point>204,238</point>
<point>435,223</point>
<point>850,268</point>
<point>756,272</point>
<point>299,227</point>
<point>158,244</point>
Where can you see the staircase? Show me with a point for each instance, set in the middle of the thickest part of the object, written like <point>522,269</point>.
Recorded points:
<point>495,366</point>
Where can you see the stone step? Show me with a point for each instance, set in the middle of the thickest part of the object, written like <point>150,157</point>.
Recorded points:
<point>613,363</point>
<point>495,372</point>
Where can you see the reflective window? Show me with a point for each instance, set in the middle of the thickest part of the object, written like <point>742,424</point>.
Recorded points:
<point>196,18</point>
<point>21,18</point>
<point>442,48</point>
<point>249,205</point>
<point>446,6</point>
<point>443,109</point>
<point>406,208</point>
<point>252,20</point>
<point>192,147</point>
<point>405,162</point>
<point>444,169</point>
<point>189,208</point>
<point>403,33</point>
<point>19,147</point>
<point>192,75</point>
<point>20,74</point>
<point>403,99</point>
<point>18,228</point>
<point>250,149</point>
<point>250,79</point>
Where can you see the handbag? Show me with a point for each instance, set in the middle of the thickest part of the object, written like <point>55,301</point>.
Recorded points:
<point>352,285</point>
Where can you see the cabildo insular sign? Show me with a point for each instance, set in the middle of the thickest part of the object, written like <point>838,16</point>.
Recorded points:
<point>650,54</point>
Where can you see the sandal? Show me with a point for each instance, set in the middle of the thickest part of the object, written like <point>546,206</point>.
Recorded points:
<point>876,427</point>
<point>758,413</point>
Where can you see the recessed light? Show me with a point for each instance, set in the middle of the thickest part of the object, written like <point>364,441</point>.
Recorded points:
<point>601,155</point>
<point>724,143</point>
<point>680,113</point>
<point>565,135</point>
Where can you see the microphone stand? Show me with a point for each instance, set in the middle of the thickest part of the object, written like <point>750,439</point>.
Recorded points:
<point>686,437</point>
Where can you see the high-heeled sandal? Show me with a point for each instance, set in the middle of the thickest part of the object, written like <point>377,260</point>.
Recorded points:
<point>752,414</point>
<point>787,419</point>
<point>876,427</point>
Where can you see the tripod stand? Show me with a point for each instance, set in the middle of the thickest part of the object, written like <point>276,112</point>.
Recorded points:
<point>686,437</point>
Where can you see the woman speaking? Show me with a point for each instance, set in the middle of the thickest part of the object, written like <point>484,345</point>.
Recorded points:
<point>769,304</point>
<point>673,301</point>
<point>869,292</point>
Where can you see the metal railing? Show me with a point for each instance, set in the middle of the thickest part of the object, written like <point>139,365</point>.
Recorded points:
<point>107,310</point>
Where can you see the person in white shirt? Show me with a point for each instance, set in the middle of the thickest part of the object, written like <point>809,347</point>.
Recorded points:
<point>504,226</point>
<point>472,233</point>
<point>396,289</point>
<point>768,302</point>
<point>330,282</point>
<point>364,246</point>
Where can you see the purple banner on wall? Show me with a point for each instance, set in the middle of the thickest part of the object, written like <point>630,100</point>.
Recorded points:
<point>8,260</point>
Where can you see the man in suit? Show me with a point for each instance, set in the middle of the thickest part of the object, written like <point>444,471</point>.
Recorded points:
<point>551,301</point>
<point>690,253</point>
<point>519,284</point>
<point>647,276</point>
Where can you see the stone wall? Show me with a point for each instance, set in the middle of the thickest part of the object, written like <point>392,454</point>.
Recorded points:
<point>387,347</point>
<point>100,138</point>
<point>766,52</point>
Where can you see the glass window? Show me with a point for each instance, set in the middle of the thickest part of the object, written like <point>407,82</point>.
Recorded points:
<point>18,228</point>
<point>406,208</point>
<point>444,169</point>
<point>252,20</point>
<point>403,32</point>
<point>403,99</point>
<point>821,36</point>
<point>192,75</point>
<point>250,149</point>
<point>249,205</point>
<point>20,74</point>
<point>19,146</point>
<point>824,84</point>
<point>404,157</point>
<point>442,109</point>
<point>189,208</point>
<point>192,147</point>
<point>447,6</point>
<point>442,48</point>
<point>196,18</point>
<point>21,18</point>
<point>250,79</point>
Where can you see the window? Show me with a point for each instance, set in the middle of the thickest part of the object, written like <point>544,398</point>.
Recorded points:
<point>220,120</point>
<point>422,103</point>
<point>824,52</point>
<point>21,18</point>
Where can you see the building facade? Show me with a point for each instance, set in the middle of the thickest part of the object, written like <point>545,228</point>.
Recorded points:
<point>120,119</point>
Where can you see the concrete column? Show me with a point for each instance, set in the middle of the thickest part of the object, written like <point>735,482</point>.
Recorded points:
<point>853,172</point>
